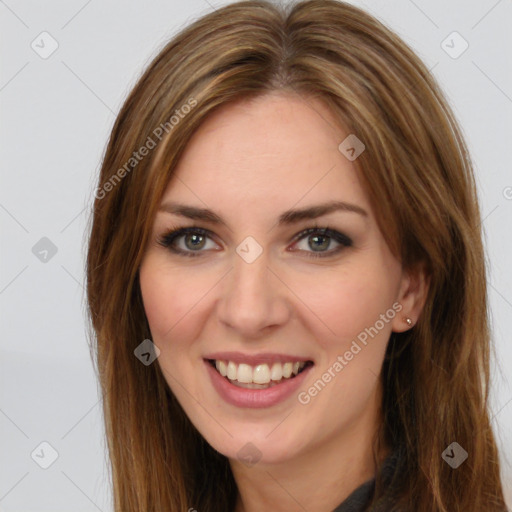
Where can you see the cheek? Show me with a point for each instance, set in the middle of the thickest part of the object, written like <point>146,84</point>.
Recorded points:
<point>345,303</point>
<point>168,299</point>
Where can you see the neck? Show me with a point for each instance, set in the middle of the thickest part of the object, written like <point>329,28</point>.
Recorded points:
<point>318,479</point>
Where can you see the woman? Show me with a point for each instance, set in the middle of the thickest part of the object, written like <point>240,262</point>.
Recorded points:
<point>286,278</point>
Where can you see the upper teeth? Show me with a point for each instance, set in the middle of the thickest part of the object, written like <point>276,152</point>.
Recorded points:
<point>259,374</point>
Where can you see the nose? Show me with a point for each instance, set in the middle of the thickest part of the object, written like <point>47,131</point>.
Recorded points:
<point>253,297</point>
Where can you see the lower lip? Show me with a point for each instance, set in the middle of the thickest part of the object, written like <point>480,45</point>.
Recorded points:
<point>254,398</point>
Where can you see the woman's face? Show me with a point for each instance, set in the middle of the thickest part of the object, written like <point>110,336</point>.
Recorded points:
<point>255,291</point>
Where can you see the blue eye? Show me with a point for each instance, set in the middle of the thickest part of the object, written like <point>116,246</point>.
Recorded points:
<point>195,235</point>
<point>195,239</point>
<point>320,238</point>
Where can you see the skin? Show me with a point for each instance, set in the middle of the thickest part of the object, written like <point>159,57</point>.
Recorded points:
<point>249,162</point>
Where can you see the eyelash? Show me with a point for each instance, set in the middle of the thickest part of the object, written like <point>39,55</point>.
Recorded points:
<point>167,240</point>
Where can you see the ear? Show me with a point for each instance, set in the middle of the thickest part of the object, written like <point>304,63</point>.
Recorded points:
<point>412,295</point>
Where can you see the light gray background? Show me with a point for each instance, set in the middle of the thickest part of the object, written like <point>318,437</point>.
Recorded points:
<point>55,119</point>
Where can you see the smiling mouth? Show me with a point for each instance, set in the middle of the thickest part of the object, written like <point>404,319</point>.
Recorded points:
<point>261,376</point>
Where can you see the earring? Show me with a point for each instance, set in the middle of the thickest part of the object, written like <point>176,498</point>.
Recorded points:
<point>408,321</point>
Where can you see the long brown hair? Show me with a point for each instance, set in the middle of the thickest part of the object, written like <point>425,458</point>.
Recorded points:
<point>418,175</point>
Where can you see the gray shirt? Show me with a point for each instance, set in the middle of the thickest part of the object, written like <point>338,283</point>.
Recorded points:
<point>359,499</point>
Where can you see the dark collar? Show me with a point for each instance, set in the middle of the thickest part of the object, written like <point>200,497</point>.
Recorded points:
<point>361,497</point>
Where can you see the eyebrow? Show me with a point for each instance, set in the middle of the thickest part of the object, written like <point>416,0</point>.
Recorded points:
<point>286,218</point>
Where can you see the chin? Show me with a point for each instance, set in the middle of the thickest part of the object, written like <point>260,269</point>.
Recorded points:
<point>254,449</point>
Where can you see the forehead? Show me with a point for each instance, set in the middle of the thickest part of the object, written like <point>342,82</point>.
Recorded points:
<point>276,149</point>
